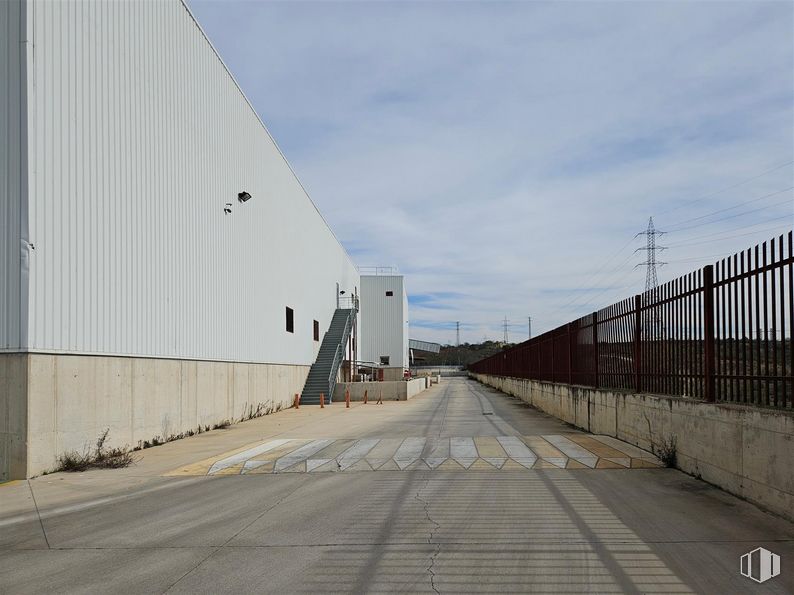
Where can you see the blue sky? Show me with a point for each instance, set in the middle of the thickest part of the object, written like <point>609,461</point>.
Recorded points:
<point>504,154</point>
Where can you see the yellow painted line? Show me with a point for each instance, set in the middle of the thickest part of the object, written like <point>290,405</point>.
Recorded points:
<point>628,450</point>
<point>643,464</point>
<point>605,464</point>
<point>488,446</point>
<point>575,465</point>
<point>622,461</point>
<point>542,448</point>
<point>10,482</point>
<point>480,465</point>
<point>203,466</point>
<point>511,465</point>
<point>492,456</point>
<point>595,446</point>
<point>541,464</point>
<point>195,468</point>
<point>450,465</point>
<point>266,468</point>
<point>233,470</point>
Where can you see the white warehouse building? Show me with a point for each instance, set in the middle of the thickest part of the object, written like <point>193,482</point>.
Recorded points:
<point>384,315</point>
<point>161,266</point>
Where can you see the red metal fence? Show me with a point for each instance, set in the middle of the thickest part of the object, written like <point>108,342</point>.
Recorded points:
<point>722,333</point>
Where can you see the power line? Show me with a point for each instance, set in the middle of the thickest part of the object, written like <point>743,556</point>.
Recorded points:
<point>726,235</point>
<point>583,294</point>
<point>609,281</point>
<point>704,197</point>
<point>704,257</point>
<point>777,204</point>
<point>603,291</point>
<point>592,276</point>
<point>736,206</point>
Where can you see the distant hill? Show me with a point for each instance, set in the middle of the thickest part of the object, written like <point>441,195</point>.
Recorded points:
<point>464,355</point>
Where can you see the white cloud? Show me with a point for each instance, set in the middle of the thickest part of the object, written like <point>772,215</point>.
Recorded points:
<point>503,151</point>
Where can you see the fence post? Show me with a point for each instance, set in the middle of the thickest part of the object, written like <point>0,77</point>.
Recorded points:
<point>637,343</point>
<point>570,354</point>
<point>708,332</point>
<point>595,348</point>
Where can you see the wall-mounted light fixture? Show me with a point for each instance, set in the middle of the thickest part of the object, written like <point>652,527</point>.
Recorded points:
<point>228,208</point>
<point>243,196</point>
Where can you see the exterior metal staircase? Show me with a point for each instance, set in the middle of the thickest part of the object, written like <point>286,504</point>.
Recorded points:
<point>323,373</point>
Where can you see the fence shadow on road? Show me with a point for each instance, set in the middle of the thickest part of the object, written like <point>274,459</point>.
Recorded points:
<point>457,532</point>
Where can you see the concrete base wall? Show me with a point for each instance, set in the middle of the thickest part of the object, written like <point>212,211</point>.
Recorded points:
<point>746,451</point>
<point>398,390</point>
<point>13,415</point>
<point>67,401</point>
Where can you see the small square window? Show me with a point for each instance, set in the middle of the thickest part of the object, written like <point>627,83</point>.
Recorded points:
<point>290,320</point>
<point>389,293</point>
<point>316,331</point>
<point>384,360</point>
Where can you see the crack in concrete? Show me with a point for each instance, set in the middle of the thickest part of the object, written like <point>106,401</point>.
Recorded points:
<point>38,514</point>
<point>435,528</point>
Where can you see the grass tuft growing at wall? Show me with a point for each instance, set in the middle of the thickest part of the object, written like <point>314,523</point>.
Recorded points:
<point>100,457</point>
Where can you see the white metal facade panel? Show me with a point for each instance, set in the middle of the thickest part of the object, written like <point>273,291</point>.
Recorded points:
<point>140,137</point>
<point>11,163</point>
<point>384,320</point>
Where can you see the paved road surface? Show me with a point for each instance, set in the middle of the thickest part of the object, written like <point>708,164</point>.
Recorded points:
<point>461,489</point>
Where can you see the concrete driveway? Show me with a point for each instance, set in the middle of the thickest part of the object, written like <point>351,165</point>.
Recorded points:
<point>461,489</point>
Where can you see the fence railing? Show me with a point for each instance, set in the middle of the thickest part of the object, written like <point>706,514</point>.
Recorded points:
<point>722,333</point>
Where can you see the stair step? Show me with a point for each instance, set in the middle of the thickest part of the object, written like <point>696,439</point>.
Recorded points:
<point>323,369</point>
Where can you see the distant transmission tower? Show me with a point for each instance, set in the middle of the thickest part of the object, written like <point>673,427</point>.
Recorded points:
<point>651,263</point>
<point>653,322</point>
<point>457,334</point>
<point>506,325</point>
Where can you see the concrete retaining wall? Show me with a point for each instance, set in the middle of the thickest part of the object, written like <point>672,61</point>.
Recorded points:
<point>13,415</point>
<point>746,451</point>
<point>55,403</point>
<point>398,390</point>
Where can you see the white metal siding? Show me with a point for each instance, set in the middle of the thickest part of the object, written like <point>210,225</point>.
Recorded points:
<point>140,137</point>
<point>11,144</point>
<point>384,328</point>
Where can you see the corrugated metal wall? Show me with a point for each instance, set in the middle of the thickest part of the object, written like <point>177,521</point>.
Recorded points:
<point>11,143</point>
<point>140,137</point>
<point>384,320</point>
